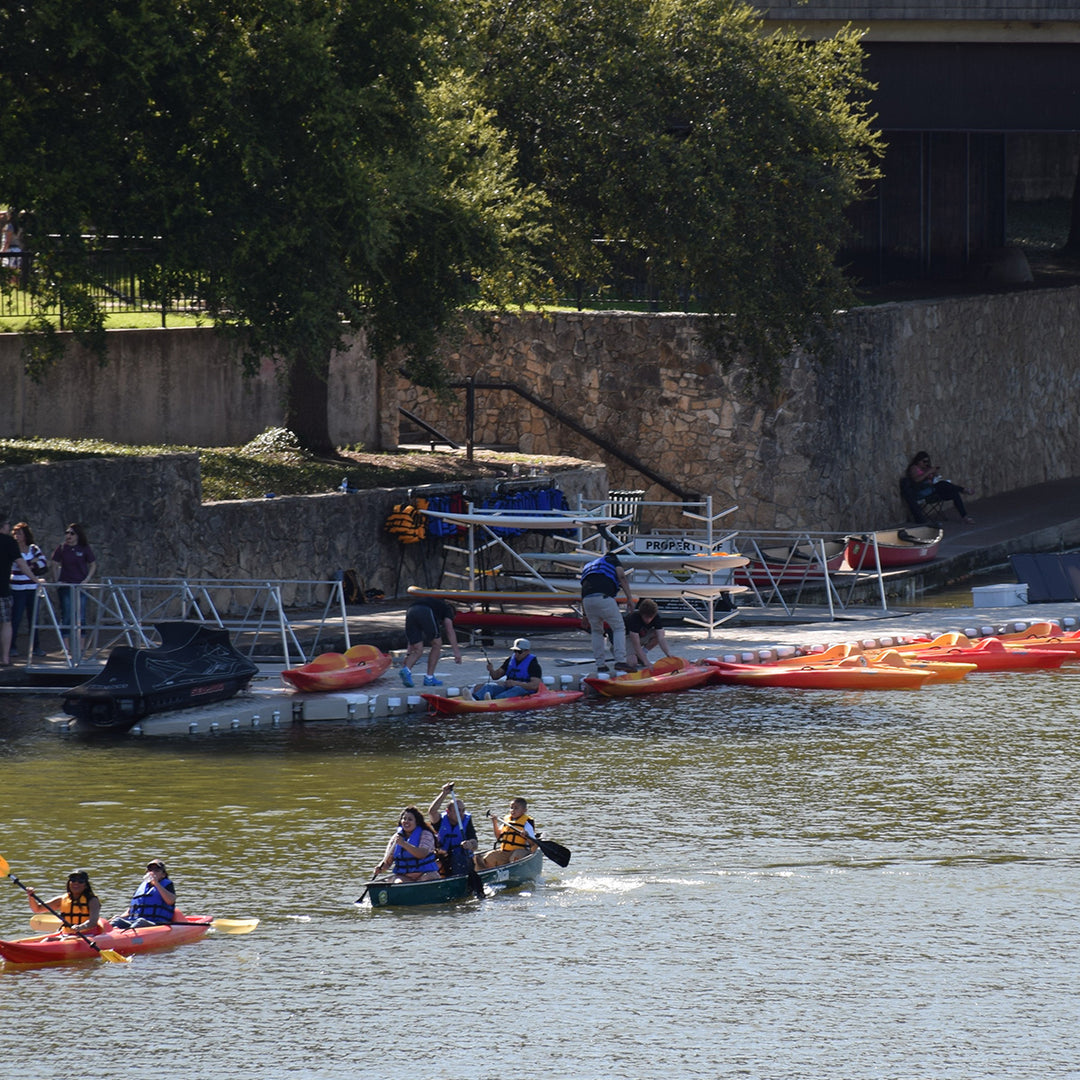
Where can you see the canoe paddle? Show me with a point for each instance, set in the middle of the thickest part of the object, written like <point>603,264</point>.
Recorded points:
<point>106,954</point>
<point>45,923</point>
<point>476,883</point>
<point>555,852</point>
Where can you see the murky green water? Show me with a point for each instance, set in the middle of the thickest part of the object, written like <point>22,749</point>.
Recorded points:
<point>764,884</point>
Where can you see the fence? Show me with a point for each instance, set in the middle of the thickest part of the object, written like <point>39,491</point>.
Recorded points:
<point>88,620</point>
<point>121,282</point>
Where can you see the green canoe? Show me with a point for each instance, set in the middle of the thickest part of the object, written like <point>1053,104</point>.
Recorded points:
<point>412,893</point>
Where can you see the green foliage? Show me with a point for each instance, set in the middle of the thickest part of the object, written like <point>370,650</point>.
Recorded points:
<point>713,158</point>
<point>305,153</point>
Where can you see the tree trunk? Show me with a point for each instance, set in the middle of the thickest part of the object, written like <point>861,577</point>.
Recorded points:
<point>306,400</point>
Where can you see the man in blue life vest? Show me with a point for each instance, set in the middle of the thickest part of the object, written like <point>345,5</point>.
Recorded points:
<point>154,901</point>
<point>455,834</point>
<point>601,581</point>
<point>519,674</point>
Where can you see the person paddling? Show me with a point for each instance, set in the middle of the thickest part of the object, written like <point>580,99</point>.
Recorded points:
<point>411,850</point>
<point>455,834</point>
<point>514,839</point>
<point>79,906</point>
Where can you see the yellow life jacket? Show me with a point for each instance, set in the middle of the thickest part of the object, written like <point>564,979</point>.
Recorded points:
<point>76,911</point>
<point>512,839</point>
<point>406,522</point>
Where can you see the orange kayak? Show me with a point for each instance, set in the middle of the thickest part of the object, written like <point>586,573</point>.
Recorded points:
<point>359,666</point>
<point>542,699</point>
<point>854,673</point>
<point>66,948</point>
<point>666,675</point>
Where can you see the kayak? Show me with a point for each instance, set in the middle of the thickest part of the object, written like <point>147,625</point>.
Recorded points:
<point>542,699</point>
<point>414,893</point>
<point>943,670</point>
<point>988,654</point>
<point>361,665</point>
<point>854,673</point>
<point>66,948</point>
<point>663,677</point>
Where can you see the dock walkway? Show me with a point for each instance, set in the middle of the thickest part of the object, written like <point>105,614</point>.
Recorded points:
<point>1041,518</point>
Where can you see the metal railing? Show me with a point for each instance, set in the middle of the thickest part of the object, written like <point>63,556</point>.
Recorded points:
<point>262,617</point>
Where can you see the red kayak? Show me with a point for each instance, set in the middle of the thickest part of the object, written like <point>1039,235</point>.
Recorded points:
<point>359,666</point>
<point>666,675</point>
<point>66,948</point>
<point>990,654</point>
<point>542,699</point>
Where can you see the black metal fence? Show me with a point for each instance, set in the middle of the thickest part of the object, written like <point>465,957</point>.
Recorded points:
<point>120,282</point>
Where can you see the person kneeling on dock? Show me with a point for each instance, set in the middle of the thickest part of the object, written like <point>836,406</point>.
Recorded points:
<point>644,631</point>
<point>518,675</point>
<point>455,834</point>
<point>514,839</point>
<point>411,851</point>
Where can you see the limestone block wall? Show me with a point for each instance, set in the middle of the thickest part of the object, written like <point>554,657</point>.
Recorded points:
<point>144,518</point>
<point>180,387</point>
<point>990,385</point>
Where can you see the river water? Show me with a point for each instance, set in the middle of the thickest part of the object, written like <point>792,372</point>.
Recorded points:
<point>773,884</point>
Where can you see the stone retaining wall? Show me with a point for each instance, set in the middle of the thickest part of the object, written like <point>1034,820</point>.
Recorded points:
<point>144,518</point>
<point>990,385</point>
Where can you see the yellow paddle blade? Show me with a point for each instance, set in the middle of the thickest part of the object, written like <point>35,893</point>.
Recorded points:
<point>362,652</point>
<point>45,924</point>
<point>4,868</point>
<point>235,926</point>
<point>113,956</point>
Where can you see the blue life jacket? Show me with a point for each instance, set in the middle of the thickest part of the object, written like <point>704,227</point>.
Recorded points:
<point>407,863</point>
<point>604,569</point>
<point>147,903</point>
<point>518,669</point>
<point>450,835</point>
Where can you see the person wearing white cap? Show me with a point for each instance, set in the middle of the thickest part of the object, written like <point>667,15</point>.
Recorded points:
<point>519,674</point>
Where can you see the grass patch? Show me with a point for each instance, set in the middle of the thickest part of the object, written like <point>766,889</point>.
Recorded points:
<point>275,464</point>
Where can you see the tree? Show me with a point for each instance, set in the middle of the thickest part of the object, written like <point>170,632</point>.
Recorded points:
<point>722,156</point>
<point>317,166</point>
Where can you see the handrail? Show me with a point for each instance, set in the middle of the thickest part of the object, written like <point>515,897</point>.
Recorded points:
<point>472,384</point>
<point>121,611</point>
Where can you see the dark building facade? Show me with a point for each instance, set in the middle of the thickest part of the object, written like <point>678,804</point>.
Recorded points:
<point>966,95</point>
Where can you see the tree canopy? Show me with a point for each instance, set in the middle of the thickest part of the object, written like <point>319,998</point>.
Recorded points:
<point>321,164</point>
<point>720,157</point>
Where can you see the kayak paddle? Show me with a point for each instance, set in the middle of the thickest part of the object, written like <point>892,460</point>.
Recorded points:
<point>45,923</point>
<point>106,954</point>
<point>555,852</point>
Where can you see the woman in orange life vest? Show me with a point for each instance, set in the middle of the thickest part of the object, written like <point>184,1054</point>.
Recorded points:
<point>79,905</point>
<point>411,851</point>
<point>514,839</point>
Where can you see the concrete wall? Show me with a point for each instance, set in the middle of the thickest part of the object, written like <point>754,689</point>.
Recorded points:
<point>144,518</point>
<point>180,387</point>
<point>990,385</point>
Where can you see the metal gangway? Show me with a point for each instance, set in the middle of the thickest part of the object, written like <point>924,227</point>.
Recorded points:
<point>261,616</point>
